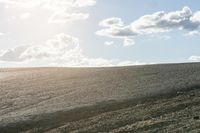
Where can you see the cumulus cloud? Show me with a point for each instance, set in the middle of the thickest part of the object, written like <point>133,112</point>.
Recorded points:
<point>12,54</point>
<point>196,17</point>
<point>63,45</point>
<point>159,22</point>
<point>194,58</point>
<point>115,22</point>
<point>63,50</point>
<point>63,10</point>
<point>109,43</point>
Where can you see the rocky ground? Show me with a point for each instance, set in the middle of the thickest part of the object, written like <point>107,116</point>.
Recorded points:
<point>178,113</point>
<point>153,98</point>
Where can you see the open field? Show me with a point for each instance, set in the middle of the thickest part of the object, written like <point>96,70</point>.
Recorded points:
<point>153,98</point>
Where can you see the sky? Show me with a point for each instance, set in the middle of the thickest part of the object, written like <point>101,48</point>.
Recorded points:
<point>96,33</point>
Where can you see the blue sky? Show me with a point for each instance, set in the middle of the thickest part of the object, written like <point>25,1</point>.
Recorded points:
<point>98,32</point>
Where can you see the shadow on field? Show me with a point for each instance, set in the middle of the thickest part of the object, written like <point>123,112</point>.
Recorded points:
<point>49,121</point>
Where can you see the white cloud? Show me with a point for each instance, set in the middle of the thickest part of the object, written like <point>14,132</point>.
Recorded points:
<point>159,22</point>
<point>1,34</point>
<point>109,43</point>
<point>164,22</point>
<point>63,45</point>
<point>63,10</point>
<point>194,58</point>
<point>12,54</point>
<point>63,50</point>
<point>196,17</point>
<point>114,21</point>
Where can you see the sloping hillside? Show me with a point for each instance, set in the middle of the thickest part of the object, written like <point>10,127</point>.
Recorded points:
<point>135,98</point>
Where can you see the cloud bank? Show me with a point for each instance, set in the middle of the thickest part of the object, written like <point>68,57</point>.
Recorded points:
<point>159,22</point>
<point>63,50</point>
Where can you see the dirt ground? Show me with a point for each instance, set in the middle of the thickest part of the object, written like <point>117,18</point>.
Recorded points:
<point>153,98</point>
